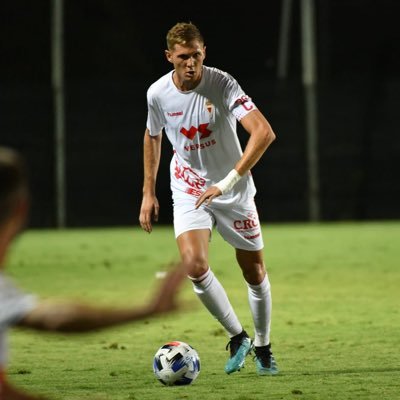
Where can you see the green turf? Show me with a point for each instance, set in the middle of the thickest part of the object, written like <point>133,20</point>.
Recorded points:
<point>335,330</point>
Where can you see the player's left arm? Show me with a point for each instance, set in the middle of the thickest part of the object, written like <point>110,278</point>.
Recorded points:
<point>261,136</point>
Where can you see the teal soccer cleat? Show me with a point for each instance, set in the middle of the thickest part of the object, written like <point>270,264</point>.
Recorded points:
<point>240,345</point>
<point>265,361</point>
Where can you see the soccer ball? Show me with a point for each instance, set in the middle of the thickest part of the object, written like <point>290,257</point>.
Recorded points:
<point>176,363</point>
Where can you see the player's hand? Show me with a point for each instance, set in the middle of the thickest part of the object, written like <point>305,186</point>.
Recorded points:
<point>207,197</point>
<point>148,212</point>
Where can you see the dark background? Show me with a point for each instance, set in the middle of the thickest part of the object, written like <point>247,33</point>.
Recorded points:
<point>114,51</point>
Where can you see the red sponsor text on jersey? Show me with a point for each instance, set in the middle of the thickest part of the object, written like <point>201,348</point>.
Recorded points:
<point>200,146</point>
<point>193,192</point>
<point>175,113</point>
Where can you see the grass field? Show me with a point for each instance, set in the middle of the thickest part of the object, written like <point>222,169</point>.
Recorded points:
<point>335,329</point>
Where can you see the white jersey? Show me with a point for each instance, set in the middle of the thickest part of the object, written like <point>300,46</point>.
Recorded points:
<point>14,305</point>
<point>201,126</point>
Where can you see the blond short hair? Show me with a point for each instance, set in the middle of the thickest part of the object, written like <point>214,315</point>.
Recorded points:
<point>183,33</point>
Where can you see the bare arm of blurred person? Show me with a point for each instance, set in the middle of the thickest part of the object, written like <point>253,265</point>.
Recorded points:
<point>77,317</point>
<point>9,392</point>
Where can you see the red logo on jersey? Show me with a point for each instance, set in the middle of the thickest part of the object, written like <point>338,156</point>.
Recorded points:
<point>189,176</point>
<point>192,131</point>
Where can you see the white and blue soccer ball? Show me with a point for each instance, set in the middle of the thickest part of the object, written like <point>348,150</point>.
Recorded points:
<point>176,363</point>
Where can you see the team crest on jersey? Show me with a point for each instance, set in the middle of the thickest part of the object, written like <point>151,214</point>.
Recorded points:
<point>209,106</point>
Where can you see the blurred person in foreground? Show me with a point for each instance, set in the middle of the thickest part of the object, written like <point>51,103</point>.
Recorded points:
<point>198,107</point>
<point>26,310</point>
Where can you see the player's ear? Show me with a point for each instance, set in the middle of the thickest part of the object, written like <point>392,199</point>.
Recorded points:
<point>204,51</point>
<point>168,55</point>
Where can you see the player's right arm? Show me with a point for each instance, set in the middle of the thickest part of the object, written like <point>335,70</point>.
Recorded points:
<point>151,161</point>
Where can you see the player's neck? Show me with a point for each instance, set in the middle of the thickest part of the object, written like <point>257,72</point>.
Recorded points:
<point>185,85</point>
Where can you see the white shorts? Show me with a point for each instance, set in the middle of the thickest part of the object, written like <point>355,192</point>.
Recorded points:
<point>237,223</point>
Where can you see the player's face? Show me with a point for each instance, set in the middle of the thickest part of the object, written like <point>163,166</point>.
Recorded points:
<point>188,63</point>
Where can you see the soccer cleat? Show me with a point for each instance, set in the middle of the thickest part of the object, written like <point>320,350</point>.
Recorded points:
<point>265,361</point>
<point>240,345</point>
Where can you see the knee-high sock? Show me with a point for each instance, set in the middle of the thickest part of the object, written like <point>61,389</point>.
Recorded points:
<point>211,293</point>
<point>260,301</point>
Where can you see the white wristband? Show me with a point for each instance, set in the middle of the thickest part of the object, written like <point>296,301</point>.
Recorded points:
<point>226,184</point>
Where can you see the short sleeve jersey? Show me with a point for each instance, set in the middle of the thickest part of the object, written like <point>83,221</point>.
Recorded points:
<point>201,125</point>
<point>14,304</point>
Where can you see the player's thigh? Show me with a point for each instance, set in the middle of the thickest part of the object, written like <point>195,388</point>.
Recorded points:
<point>193,232</point>
<point>188,218</point>
<point>240,226</point>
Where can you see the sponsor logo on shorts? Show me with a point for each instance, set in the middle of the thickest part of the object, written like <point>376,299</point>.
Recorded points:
<point>248,227</point>
<point>245,224</point>
<point>249,223</point>
<point>253,236</point>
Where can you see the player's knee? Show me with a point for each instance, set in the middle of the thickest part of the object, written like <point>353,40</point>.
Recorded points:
<point>254,273</point>
<point>196,265</point>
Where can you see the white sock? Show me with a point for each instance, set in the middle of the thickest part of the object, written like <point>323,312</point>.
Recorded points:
<point>213,296</point>
<point>261,306</point>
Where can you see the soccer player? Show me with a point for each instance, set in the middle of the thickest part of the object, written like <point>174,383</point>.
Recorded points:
<point>198,107</point>
<point>26,310</point>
